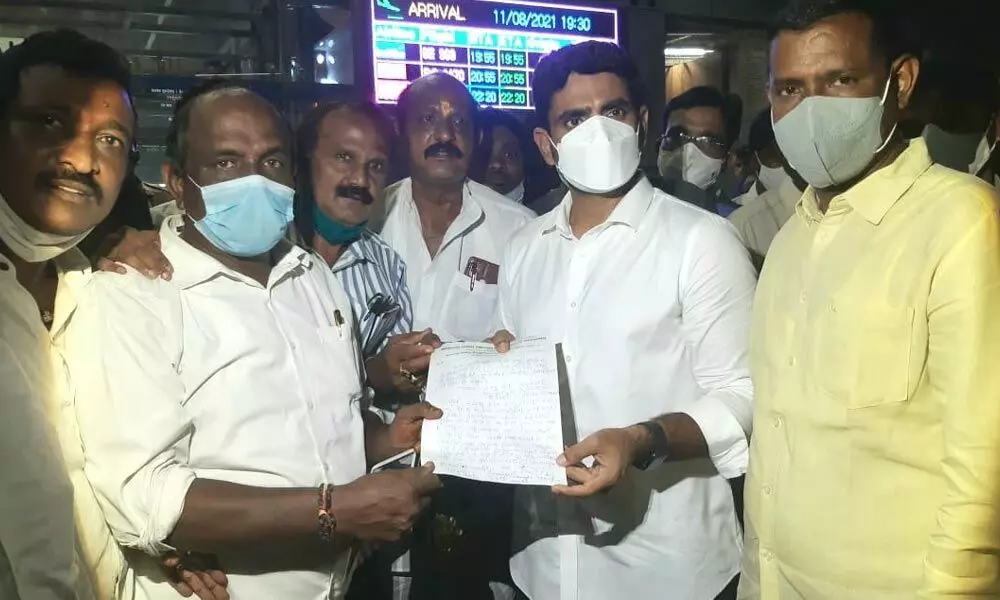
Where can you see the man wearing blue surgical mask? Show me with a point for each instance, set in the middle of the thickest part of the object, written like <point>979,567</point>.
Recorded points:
<point>876,450</point>
<point>649,298</point>
<point>221,409</point>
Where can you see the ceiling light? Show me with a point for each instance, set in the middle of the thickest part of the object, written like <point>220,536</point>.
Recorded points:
<point>686,52</point>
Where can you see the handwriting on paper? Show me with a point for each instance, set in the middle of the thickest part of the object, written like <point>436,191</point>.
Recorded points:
<point>501,418</point>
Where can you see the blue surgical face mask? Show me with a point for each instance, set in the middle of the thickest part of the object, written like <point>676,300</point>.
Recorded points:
<point>246,216</point>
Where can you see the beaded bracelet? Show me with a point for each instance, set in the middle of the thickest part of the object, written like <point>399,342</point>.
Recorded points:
<point>327,522</point>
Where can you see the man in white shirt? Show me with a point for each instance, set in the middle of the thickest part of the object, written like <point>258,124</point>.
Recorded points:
<point>449,229</point>
<point>650,299</point>
<point>761,216</point>
<point>451,232</point>
<point>220,409</point>
<point>66,127</point>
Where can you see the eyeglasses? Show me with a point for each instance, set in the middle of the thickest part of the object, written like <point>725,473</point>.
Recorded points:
<point>711,146</point>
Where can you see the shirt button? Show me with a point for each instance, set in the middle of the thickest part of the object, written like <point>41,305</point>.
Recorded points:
<point>572,304</point>
<point>791,361</point>
<point>803,297</point>
<point>767,490</point>
<point>833,307</point>
<point>767,555</point>
<point>310,405</point>
<point>569,358</point>
<point>777,422</point>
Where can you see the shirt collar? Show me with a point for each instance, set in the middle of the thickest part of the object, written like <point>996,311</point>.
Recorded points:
<point>629,212</point>
<point>469,217</point>
<point>875,195</point>
<point>193,267</point>
<point>358,251</point>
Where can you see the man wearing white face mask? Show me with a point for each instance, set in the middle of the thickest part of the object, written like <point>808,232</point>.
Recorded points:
<point>876,450</point>
<point>694,148</point>
<point>649,298</point>
<point>220,409</point>
<point>761,216</point>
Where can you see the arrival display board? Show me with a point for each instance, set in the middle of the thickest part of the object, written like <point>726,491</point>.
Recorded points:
<point>492,46</point>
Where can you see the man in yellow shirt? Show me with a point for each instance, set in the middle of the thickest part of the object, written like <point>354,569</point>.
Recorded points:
<point>875,463</point>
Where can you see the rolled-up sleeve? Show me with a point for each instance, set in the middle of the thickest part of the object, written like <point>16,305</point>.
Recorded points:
<point>717,286</point>
<point>122,355</point>
<point>962,559</point>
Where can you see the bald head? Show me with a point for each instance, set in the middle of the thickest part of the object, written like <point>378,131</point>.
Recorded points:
<point>226,134</point>
<point>438,116</point>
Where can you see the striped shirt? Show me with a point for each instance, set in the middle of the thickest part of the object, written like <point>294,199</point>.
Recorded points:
<point>368,267</point>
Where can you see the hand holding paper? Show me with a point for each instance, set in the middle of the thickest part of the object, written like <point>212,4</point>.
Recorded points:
<point>501,420</point>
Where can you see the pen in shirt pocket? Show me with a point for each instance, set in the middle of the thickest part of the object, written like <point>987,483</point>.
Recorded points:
<point>338,320</point>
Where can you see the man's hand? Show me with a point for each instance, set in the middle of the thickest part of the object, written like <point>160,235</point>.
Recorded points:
<point>382,507</point>
<point>206,585</point>
<point>404,432</point>
<point>139,250</point>
<point>613,451</point>
<point>403,359</point>
<point>502,340</point>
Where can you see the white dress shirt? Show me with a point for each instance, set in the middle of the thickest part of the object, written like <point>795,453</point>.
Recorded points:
<point>43,555</point>
<point>213,375</point>
<point>760,219</point>
<point>444,298</point>
<point>652,309</point>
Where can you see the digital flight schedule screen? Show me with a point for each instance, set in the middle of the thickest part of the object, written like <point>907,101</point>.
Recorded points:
<point>492,46</point>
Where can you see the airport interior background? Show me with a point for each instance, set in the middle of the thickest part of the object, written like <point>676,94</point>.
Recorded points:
<point>300,52</point>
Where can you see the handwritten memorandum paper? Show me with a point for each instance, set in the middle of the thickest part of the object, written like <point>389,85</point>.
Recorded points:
<point>501,418</point>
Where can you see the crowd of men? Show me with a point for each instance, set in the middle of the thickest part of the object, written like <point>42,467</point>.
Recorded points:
<point>202,416</point>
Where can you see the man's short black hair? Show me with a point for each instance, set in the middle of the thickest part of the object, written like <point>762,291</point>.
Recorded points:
<point>177,146</point>
<point>697,97</point>
<point>72,51</point>
<point>889,31</point>
<point>761,131</point>
<point>306,139</point>
<point>585,58</point>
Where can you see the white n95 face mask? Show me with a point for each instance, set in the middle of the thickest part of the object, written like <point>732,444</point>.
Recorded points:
<point>599,156</point>
<point>983,153</point>
<point>690,164</point>
<point>700,169</point>
<point>771,177</point>
<point>830,140</point>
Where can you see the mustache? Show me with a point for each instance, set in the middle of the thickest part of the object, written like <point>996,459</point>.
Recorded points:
<point>50,179</point>
<point>354,192</point>
<point>443,148</point>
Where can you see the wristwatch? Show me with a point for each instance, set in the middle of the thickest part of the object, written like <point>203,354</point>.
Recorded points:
<point>658,449</point>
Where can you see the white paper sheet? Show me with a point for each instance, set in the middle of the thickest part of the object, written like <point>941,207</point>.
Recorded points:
<point>501,418</point>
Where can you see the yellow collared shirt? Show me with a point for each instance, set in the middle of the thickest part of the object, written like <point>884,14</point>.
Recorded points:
<point>875,460</point>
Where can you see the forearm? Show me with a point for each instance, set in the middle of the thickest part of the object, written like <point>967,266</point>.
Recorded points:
<point>219,514</point>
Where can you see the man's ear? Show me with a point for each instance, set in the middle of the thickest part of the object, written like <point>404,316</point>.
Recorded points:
<point>907,71</point>
<point>544,143</point>
<point>174,182</point>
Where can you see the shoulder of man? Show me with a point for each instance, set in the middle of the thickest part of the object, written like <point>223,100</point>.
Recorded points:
<point>749,211</point>
<point>498,203</point>
<point>955,198</point>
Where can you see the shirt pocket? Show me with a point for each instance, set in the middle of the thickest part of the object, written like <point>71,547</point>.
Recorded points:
<point>340,357</point>
<point>470,310</point>
<point>864,353</point>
